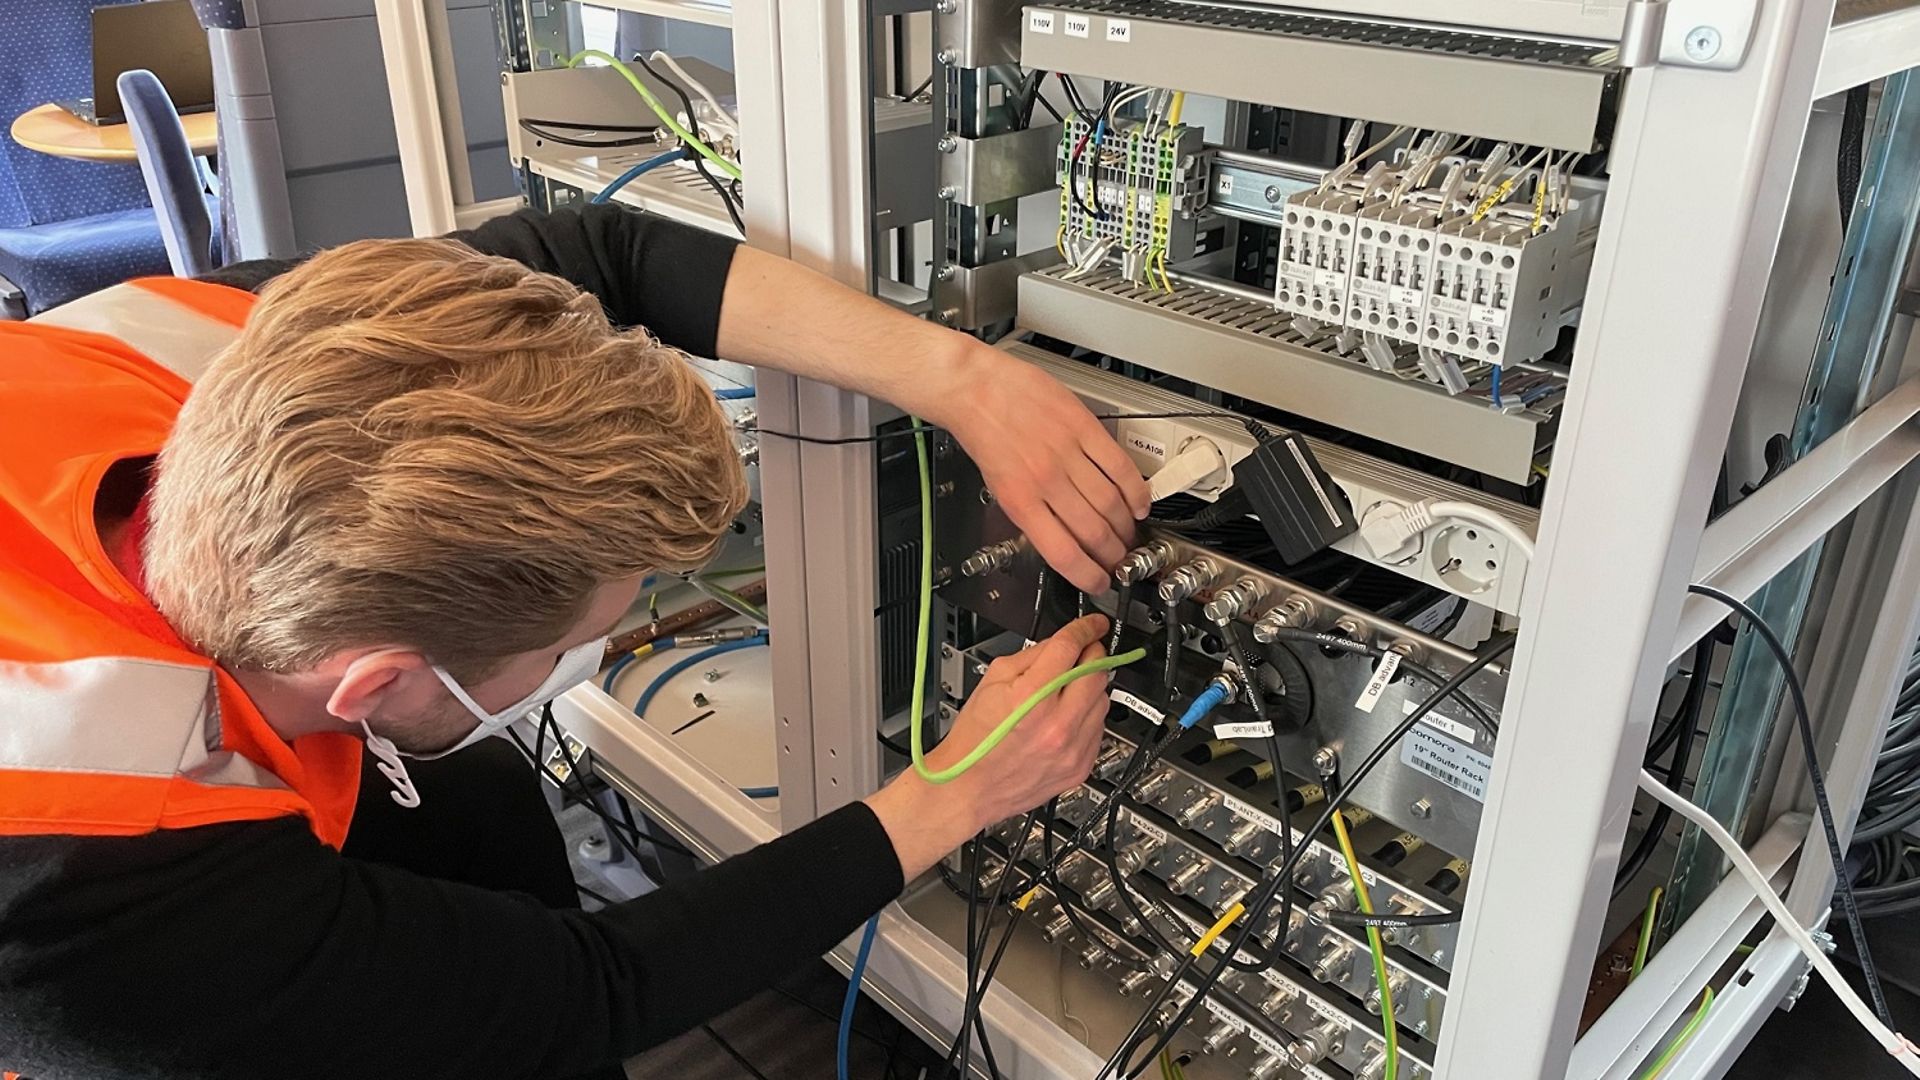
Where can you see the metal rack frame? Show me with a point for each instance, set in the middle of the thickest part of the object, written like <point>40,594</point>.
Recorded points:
<point>1632,470</point>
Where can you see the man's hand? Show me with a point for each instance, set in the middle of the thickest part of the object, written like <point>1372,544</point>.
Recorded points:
<point>1050,752</point>
<point>1052,467</point>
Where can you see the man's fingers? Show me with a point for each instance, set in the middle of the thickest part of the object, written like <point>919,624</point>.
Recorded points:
<point>1054,543</point>
<point>1080,697</point>
<point>1060,652</point>
<point>1105,498</point>
<point>1090,530</point>
<point>1119,468</point>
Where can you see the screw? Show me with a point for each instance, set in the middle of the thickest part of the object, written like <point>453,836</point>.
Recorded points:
<point>947,316</point>
<point>1703,44</point>
<point>1272,193</point>
<point>945,273</point>
<point>947,191</point>
<point>1326,761</point>
<point>1421,808</point>
<point>947,7</point>
<point>947,56</point>
<point>946,649</point>
<point>712,675</point>
<point>993,594</point>
<point>699,701</point>
<point>947,144</point>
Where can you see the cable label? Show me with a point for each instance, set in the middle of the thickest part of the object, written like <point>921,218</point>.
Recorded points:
<point>1254,814</point>
<point>1152,832</point>
<point>1466,733</point>
<point>1079,25</point>
<point>1040,22</point>
<point>1377,685</point>
<point>1225,1015</point>
<point>1147,446</point>
<point>1120,31</point>
<point>1252,729</point>
<point>1265,1041</point>
<point>1458,766</point>
<point>1121,697</point>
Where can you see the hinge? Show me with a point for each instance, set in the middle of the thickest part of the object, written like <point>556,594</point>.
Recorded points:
<point>1710,34</point>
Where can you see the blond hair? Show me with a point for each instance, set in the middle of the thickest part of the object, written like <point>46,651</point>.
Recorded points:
<point>413,443</point>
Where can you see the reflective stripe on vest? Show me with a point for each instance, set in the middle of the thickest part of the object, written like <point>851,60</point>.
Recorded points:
<point>152,318</point>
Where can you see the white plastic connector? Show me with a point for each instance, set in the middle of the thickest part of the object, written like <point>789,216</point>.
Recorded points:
<point>1197,464</point>
<point>1388,530</point>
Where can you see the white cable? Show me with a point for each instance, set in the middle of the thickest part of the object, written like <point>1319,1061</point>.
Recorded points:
<point>1902,1048</point>
<point>725,118</point>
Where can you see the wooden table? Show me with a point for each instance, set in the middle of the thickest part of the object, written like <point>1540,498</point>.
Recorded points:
<point>51,129</point>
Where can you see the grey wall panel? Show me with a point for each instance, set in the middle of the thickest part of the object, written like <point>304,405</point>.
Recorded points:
<point>335,207</point>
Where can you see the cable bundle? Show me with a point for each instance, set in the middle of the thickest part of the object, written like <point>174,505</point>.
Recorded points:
<point>1889,882</point>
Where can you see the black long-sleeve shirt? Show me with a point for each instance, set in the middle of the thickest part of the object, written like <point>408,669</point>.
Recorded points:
<point>252,950</point>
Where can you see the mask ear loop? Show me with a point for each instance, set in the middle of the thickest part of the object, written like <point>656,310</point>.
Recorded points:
<point>392,767</point>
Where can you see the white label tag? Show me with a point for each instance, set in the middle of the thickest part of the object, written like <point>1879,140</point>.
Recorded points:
<point>1225,1015</point>
<point>1405,297</point>
<point>1454,764</point>
<point>1040,22</point>
<point>1466,733</point>
<point>1078,25</point>
<point>1147,446</point>
<point>1254,814</point>
<point>1330,281</point>
<point>1326,1011</point>
<point>1142,708</point>
<point>1252,729</point>
<point>1265,1041</point>
<point>1225,184</point>
<point>1147,829</point>
<point>1120,31</point>
<point>1382,675</point>
<point>1487,315</point>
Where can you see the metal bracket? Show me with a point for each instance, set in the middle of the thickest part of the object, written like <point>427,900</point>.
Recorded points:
<point>974,297</point>
<point>995,168</point>
<point>1712,34</point>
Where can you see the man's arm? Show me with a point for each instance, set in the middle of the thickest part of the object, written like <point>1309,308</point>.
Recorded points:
<point>1053,468</point>
<point>249,950</point>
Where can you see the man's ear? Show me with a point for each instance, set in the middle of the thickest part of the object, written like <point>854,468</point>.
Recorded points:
<point>374,679</point>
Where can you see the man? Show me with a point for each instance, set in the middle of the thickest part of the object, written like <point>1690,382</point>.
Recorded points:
<point>412,488</point>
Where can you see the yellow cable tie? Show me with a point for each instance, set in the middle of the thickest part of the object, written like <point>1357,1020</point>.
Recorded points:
<point>1219,928</point>
<point>1021,904</point>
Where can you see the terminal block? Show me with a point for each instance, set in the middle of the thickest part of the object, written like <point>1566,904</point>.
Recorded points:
<point>1317,252</point>
<point>1498,292</point>
<point>1129,191</point>
<point>1393,269</point>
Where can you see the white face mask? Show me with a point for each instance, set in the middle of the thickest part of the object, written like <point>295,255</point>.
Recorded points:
<point>575,666</point>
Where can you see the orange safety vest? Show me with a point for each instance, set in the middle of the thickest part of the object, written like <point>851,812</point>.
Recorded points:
<point>109,724</point>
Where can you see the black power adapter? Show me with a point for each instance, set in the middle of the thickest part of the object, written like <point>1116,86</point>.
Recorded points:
<point>1301,508</point>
